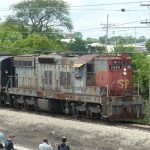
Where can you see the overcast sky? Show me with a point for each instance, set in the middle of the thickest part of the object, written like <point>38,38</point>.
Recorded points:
<point>91,20</point>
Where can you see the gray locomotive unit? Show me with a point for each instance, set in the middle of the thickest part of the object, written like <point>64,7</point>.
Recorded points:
<point>89,86</point>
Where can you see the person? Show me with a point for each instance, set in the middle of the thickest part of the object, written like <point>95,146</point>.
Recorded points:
<point>63,145</point>
<point>9,142</point>
<point>45,145</point>
<point>2,141</point>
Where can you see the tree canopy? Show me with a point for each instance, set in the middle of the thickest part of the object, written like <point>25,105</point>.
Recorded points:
<point>120,40</point>
<point>36,44</point>
<point>148,45</point>
<point>124,49</point>
<point>41,16</point>
<point>141,64</point>
<point>78,45</point>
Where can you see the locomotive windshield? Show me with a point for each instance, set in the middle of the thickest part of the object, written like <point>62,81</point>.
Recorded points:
<point>115,65</point>
<point>120,64</point>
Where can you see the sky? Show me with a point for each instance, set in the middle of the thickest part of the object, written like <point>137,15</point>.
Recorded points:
<point>90,17</point>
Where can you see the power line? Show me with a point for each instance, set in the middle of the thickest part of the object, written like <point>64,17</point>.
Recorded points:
<point>87,9</point>
<point>88,29</point>
<point>95,5</point>
<point>110,9</point>
<point>102,4</point>
<point>129,22</point>
<point>131,27</point>
<point>114,27</point>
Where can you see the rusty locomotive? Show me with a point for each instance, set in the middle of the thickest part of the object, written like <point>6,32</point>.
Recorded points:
<point>98,86</point>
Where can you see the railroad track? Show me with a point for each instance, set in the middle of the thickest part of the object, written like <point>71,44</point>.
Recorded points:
<point>128,125</point>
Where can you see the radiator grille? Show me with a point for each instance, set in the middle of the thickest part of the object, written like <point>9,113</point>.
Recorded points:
<point>65,79</point>
<point>48,77</point>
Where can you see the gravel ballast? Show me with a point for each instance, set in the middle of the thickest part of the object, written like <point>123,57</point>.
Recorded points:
<point>31,128</point>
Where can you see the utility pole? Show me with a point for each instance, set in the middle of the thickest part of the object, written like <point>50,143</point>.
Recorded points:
<point>135,38</point>
<point>107,32</point>
<point>106,26</point>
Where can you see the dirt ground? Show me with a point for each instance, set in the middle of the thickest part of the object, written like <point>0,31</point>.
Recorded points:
<point>31,128</point>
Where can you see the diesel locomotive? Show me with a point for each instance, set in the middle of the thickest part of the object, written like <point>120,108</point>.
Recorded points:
<point>91,86</point>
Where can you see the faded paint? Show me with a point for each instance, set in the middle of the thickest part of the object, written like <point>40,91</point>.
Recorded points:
<point>55,77</point>
<point>85,59</point>
<point>102,78</point>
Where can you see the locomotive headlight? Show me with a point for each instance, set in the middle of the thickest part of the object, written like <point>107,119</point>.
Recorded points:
<point>124,69</point>
<point>124,73</point>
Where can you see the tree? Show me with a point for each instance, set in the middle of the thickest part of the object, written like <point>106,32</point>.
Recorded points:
<point>120,40</point>
<point>102,39</point>
<point>7,37</point>
<point>141,71</point>
<point>78,45</point>
<point>91,40</point>
<point>148,45</point>
<point>9,33</point>
<point>124,49</point>
<point>78,35</point>
<point>41,15</point>
<point>36,44</point>
<point>141,39</point>
<point>13,25</point>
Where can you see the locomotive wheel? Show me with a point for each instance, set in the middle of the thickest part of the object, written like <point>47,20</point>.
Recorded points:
<point>15,104</point>
<point>87,113</point>
<point>30,104</point>
<point>66,108</point>
<point>30,107</point>
<point>81,111</point>
<point>1,102</point>
<point>10,100</point>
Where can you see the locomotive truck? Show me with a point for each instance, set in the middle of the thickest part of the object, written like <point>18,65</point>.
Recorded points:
<point>91,86</point>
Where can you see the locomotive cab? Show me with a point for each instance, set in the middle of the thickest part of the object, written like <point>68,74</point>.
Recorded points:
<point>120,76</point>
<point>121,94</point>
